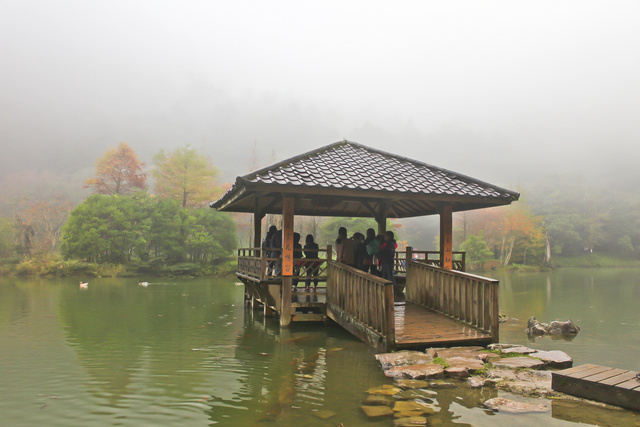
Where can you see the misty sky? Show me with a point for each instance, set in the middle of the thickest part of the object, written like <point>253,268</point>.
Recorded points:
<point>494,89</point>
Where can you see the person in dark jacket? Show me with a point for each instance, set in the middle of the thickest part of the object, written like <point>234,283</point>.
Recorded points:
<point>276,244</point>
<point>313,267</point>
<point>297,259</point>
<point>359,251</point>
<point>266,244</point>
<point>369,265</point>
<point>388,255</point>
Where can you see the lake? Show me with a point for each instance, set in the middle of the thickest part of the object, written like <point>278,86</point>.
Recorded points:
<point>187,353</point>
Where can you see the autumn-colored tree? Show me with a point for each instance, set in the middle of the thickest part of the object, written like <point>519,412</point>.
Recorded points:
<point>186,176</point>
<point>118,171</point>
<point>520,224</point>
<point>46,220</point>
<point>506,230</point>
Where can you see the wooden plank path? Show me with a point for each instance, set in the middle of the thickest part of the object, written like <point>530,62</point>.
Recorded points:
<point>417,326</point>
<point>618,387</point>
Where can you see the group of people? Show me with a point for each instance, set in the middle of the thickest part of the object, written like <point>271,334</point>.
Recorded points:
<point>273,241</point>
<point>371,254</point>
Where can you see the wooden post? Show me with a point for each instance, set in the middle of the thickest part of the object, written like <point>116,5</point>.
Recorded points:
<point>408,258</point>
<point>257,229</point>
<point>446,237</point>
<point>288,207</point>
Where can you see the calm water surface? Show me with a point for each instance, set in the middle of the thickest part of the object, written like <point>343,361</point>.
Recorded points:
<point>186,352</point>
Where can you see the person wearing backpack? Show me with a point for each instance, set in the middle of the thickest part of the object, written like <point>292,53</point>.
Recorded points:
<point>345,248</point>
<point>360,250</point>
<point>372,247</point>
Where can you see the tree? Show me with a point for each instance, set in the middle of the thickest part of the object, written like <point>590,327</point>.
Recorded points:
<point>118,171</point>
<point>7,237</point>
<point>477,249</point>
<point>46,219</point>
<point>186,176</point>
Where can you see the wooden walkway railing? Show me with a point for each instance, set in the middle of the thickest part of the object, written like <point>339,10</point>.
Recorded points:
<point>253,264</point>
<point>361,303</point>
<point>470,299</point>
<point>429,257</point>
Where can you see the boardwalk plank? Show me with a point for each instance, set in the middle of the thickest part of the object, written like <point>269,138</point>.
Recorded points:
<point>615,386</point>
<point>417,325</point>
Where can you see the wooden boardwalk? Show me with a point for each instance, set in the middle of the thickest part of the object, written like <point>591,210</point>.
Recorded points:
<point>417,326</point>
<point>618,387</point>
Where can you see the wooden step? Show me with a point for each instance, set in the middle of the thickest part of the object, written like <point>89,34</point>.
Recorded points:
<point>618,387</point>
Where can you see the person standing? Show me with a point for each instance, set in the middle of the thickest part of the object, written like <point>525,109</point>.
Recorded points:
<point>388,255</point>
<point>311,262</point>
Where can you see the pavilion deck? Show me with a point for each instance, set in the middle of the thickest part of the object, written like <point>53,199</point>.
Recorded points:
<point>442,307</point>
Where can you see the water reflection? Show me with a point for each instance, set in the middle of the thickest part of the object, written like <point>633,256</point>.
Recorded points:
<point>189,353</point>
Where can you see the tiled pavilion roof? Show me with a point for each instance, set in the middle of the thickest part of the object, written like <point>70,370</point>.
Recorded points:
<point>350,179</point>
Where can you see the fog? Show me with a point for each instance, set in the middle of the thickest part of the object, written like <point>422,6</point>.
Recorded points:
<point>503,91</point>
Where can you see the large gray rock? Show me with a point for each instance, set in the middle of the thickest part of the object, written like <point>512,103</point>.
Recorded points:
<point>567,328</point>
<point>563,328</point>
<point>518,349</point>
<point>469,363</point>
<point>416,372</point>
<point>518,363</point>
<point>554,359</point>
<point>389,360</point>
<point>500,404</point>
<point>536,328</point>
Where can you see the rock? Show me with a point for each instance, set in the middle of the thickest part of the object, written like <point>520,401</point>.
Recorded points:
<point>555,328</point>
<point>412,383</point>
<point>518,363</point>
<point>412,394</point>
<point>379,399</point>
<point>536,328</point>
<point>500,346</point>
<point>500,404</point>
<point>469,352</point>
<point>440,384</point>
<point>405,406</point>
<point>469,363</point>
<point>432,352</point>
<point>324,414</point>
<point>563,328</point>
<point>419,371</point>
<point>476,382</point>
<point>410,421</point>
<point>386,389</point>
<point>518,349</point>
<point>377,411</point>
<point>457,372</point>
<point>389,360</point>
<point>554,359</point>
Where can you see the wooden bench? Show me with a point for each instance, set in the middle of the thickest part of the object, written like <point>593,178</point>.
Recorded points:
<point>618,387</point>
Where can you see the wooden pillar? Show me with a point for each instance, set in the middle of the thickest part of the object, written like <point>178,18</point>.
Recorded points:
<point>381,219</point>
<point>257,229</point>
<point>446,237</point>
<point>288,207</point>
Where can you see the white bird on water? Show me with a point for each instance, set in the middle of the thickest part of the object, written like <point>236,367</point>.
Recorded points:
<point>84,285</point>
<point>145,284</point>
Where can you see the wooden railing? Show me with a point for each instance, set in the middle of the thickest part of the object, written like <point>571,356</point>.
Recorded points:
<point>362,303</point>
<point>471,299</point>
<point>430,257</point>
<point>254,265</point>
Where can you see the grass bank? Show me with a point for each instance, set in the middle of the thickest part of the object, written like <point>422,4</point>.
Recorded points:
<point>595,261</point>
<point>58,267</point>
